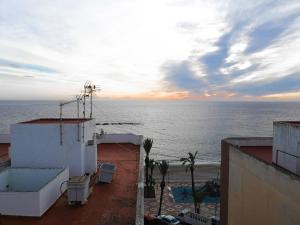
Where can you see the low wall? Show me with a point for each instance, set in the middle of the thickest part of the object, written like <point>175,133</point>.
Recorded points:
<point>261,193</point>
<point>33,203</point>
<point>120,138</point>
<point>4,138</point>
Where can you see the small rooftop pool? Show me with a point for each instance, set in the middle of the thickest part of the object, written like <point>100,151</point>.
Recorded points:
<point>30,192</point>
<point>26,179</point>
<point>183,194</point>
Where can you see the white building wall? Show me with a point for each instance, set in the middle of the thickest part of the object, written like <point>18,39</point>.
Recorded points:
<point>73,149</point>
<point>91,158</point>
<point>37,201</point>
<point>39,146</point>
<point>286,139</point>
<point>3,180</point>
<point>52,191</point>
<point>19,203</point>
<point>36,146</point>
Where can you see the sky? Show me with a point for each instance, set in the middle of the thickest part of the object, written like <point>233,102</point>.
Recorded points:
<point>158,49</point>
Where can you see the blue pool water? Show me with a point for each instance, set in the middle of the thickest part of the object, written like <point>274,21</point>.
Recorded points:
<point>184,195</point>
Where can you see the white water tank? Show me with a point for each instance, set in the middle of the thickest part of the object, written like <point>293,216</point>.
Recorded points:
<point>106,173</point>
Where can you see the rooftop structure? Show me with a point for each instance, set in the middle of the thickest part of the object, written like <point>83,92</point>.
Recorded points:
<point>44,153</point>
<point>55,143</point>
<point>114,203</point>
<point>260,182</point>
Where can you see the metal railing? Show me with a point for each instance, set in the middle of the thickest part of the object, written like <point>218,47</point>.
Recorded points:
<point>287,153</point>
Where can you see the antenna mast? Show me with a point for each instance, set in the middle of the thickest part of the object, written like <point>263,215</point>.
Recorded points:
<point>88,91</point>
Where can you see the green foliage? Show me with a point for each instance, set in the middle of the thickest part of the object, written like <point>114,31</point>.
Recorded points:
<point>148,145</point>
<point>189,163</point>
<point>163,167</point>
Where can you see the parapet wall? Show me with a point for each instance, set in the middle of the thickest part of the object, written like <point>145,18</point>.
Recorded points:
<point>260,193</point>
<point>120,138</point>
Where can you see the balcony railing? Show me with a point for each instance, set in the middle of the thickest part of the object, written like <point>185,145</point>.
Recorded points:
<point>296,157</point>
<point>287,153</point>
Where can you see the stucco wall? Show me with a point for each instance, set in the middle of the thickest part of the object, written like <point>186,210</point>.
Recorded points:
<point>261,194</point>
<point>39,146</point>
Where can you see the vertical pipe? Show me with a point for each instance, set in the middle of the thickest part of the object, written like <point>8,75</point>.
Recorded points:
<point>77,107</point>
<point>91,113</point>
<point>84,93</point>
<point>60,125</point>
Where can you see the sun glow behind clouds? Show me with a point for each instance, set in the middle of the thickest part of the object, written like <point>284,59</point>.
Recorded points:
<point>145,49</point>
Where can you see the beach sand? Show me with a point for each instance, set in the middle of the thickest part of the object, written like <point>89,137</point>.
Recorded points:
<point>177,173</point>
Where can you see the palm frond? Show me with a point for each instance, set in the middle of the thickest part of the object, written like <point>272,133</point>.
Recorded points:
<point>147,145</point>
<point>195,154</point>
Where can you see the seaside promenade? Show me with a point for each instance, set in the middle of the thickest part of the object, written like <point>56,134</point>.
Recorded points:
<point>178,177</point>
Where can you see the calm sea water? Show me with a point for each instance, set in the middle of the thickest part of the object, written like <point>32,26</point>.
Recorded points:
<point>177,127</point>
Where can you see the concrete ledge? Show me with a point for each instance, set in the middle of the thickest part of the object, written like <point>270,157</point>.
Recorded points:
<point>30,202</point>
<point>120,138</point>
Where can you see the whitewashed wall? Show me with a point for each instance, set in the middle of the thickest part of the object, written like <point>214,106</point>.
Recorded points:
<point>33,203</point>
<point>52,191</point>
<point>91,158</point>
<point>39,146</point>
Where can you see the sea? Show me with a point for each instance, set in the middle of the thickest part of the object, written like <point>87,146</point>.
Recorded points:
<point>176,127</point>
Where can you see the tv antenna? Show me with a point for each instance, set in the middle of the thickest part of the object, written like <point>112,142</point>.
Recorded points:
<point>87,92</point>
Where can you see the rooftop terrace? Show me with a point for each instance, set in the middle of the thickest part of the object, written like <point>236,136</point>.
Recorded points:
<point>4,151</point>
<point>263,153</point>
<point>113,203</point>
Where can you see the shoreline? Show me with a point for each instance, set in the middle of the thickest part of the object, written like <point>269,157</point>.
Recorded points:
<point>202,172</point>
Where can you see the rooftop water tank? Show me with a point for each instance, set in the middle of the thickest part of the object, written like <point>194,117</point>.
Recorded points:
<point>78,190</point>
<point>106,173</point>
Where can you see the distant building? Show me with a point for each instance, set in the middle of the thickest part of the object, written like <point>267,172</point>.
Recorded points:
<point>260,178</point>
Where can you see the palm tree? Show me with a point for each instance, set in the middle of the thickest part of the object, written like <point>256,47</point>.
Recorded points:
<point>152,164</point>
<point>163,169</point>
<point>190,163</point>
<point>147,146</point>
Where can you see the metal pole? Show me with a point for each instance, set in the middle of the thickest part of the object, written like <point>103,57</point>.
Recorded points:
<point>91,113</point>
<point>77,107</point>
<point>84,102</point>
<point>60,125</point>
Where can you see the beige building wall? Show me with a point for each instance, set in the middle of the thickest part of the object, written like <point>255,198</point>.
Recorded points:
<point>260,193</point>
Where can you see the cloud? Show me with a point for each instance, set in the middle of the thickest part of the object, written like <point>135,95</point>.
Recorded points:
<point>255,56</point>
<point>288,83</point>
<point>32,67</point>
<point>131,47</point>
<point>181,76</point>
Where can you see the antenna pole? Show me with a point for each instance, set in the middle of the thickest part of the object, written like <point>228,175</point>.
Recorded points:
<point>60,125</point>
<point>84,93</point>
<point>91,113</point>
<point>77,100</point>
